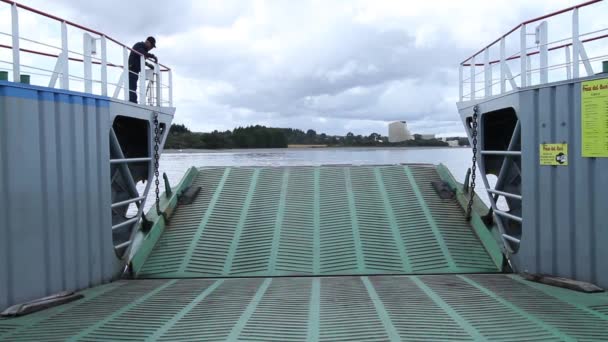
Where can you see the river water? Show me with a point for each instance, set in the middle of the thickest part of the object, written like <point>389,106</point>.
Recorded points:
<point>175,163</point>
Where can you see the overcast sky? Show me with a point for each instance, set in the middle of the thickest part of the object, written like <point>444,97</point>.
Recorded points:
<point>333,66</point>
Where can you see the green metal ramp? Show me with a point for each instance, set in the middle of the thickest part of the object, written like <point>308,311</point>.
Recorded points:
<point>341,226</point>
<point>367,308</point>
<point>327,220</point>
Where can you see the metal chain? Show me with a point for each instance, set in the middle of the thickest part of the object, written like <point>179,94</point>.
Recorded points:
<point>156,161</point>
<point>474,159</point>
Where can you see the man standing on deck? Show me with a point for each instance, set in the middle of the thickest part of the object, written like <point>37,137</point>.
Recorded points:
<point>135,64</point>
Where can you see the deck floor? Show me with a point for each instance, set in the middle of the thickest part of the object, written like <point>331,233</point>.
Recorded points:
<point>366,308</point>
<point>366,253</point>
<point>329,220</point>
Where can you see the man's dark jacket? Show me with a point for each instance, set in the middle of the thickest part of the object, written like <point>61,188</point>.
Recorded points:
<point>134,59</point>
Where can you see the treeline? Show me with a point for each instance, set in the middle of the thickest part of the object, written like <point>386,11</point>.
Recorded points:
<point>180,137</point>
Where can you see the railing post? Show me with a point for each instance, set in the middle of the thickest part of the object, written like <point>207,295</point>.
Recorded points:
<point>104,67</point>
<point>159,89</point>
<point>575,44</point>
<point>65,68</point>
<point>487,72</point>
<point>472,80</point>
<point>503,72</point>
<point>15,33</point>
<point>529,68</point>
<point>125,62</point>
<point>544,53</point>
<point>523,56</point>
<point>142,81</point>
<point>568,62</point>
<point>88,67</point>
<point>171,86</point>
<point>460,85</point>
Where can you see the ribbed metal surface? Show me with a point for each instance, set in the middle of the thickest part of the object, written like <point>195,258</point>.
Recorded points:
<point>55,199</point>
<point>565,229</point>
<point>317,221</point>
<point>375,308</point>
<point>565,221</point>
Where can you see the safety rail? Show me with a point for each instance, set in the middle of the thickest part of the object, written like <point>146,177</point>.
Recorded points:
<point>532,74</point>
<point>154,89</point>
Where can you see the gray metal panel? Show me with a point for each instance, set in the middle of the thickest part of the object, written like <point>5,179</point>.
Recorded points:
<point>55,204</point>
<point>565,207</point>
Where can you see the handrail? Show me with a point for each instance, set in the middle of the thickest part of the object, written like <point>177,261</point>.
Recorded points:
<point>525,23</point>
<point>10,2</point>
<point>56,56</point>
<point>149,89</point>
<point>577,62</point>
<point>518,56</point>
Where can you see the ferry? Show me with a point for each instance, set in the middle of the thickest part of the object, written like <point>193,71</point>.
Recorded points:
<point>302,253</point>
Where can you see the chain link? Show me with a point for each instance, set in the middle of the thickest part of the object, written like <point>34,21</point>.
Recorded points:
<point>156,161</point>
<point>474,165</point>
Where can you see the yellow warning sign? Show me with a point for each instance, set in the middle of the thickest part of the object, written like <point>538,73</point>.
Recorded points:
<point>554,154</point>
<point>594,118</point>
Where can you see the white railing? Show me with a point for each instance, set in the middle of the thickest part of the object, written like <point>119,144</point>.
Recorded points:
<point>479,79</point>
<point>99,68</point>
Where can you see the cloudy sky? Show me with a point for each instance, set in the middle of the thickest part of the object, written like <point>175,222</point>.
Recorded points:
<point>333,66</point>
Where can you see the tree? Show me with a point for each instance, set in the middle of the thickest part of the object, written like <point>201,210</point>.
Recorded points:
<point>179,128</point>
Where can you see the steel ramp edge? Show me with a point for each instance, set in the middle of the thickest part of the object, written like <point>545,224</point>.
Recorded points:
<point>319,220</point>
<point>479,307</point>
<point>491,242</point>
<point>144,243</point>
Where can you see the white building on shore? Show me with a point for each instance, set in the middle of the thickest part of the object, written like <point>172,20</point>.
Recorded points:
<point>398,132</point>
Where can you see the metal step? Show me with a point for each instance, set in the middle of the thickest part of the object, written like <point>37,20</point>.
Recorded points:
<point>326,220</point>
<point>493,307</point>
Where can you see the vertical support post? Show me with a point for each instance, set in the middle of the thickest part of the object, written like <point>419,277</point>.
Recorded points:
<point>88,66</point>
<point>65,68</point>
<point>171,87</point>
<point>15,33</point>
<point>142,81</point>
<point>125,70</point>
<point>460,85</point>
<point>523,56</point>
<point>104,67</point>
<point>503,72</point>
<point>544,53</point>
<point>568,62</point>
<point>575,45</point>
<point>487,72</point>
<point>529,66</point>
<point>159,88</point>
<point>472,79</point>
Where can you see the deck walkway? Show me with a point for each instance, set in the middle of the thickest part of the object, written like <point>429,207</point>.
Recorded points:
<point>332,253</point>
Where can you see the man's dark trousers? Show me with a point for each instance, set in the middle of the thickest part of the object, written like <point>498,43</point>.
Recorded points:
<point>133,77</point>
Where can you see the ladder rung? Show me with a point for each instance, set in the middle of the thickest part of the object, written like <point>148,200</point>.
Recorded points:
<point>507,215</point>
<point>123,245</point>
<point>129,201</point>
<point>125,223</point>
<point>130,160</point>
<point>502,153</point>
<point>511,238</point>
<point>506,194</point>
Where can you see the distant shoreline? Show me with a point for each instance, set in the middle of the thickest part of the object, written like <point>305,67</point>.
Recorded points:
<point>313,148</point>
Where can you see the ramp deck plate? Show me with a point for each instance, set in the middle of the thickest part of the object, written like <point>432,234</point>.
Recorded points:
<point>327,220</point>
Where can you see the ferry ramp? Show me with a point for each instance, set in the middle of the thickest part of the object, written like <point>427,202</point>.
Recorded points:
<point>317,221</point>
<point>325,253</point>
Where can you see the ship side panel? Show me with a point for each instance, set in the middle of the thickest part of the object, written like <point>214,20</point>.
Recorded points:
<point>55,228</point>
<point>565,206</point>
